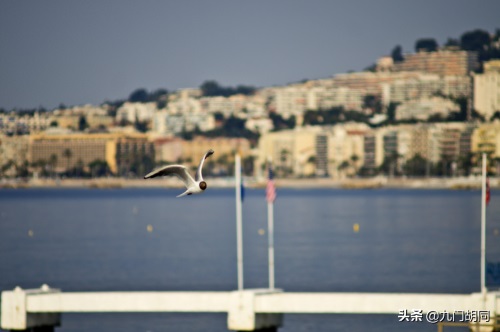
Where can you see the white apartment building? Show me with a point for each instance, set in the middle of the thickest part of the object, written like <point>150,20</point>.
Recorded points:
<point>136,111</point>
<point>425,86</point>
<point>169,123</point>
<point>185,105</point>
<point>321,98</point>
<point>228,106</point>
<point>18,123</point>
<point>259,125</point>
<point>422,109</point>
<point>291,100</point>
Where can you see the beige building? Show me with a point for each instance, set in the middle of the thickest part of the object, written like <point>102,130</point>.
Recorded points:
<point>369,82</point>
<point>434,142</point>
<point>340,150</point>
<point>292,152</point>
<point>176,150</point>
<point>13,151</point>
<point>487,89</point>
<point>442,62</point>
<point>486,138</point>
<point>310,151</point>
<point>71,150</point>
<point>225,149</point>
<point>168,149</point>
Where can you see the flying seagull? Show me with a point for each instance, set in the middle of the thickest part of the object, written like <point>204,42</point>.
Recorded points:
<point>194,186</point>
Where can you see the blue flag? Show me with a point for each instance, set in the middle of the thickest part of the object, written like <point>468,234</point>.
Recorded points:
<point>242,190</point>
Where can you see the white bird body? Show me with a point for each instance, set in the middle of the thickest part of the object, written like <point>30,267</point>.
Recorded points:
<point>194,186</point>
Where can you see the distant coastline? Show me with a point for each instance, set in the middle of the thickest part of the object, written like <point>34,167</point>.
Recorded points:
<point>458,183</point>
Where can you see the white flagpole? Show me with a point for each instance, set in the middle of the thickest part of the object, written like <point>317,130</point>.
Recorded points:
<point>239,228</point>
<point>483,227</point>
<point>270,232</point>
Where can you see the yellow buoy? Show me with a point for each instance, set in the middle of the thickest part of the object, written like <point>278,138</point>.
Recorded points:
<point>355,228</point>
<point>30,233</point>
<point>262,231</point>
<point>495,232</point>
<point>150,228</point>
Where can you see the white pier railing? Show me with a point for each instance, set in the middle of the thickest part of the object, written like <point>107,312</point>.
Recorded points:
<point>247,310</point>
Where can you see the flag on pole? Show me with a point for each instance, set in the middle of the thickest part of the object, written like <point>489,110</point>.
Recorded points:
<point>270,188</point>
<point>242,190</point>
<point>488,193</point>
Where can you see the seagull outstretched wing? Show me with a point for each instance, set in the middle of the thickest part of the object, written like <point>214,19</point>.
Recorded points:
<point>199,177</point>
<point>178,170</point>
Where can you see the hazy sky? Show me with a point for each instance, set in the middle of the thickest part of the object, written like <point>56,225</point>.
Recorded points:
<point>77,52</point>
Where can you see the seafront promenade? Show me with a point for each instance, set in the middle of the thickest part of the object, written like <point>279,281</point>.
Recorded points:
<point>465,183</point>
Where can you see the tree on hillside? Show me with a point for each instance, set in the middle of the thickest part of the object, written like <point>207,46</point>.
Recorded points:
<point>211,89</point>
<point>426,44</point>
<point>82,123</point>
<point>475,40</point>
<point>391,111</point>
<point>138,96</point>
<point>397,54</point>
<point>158,94</point>
<point>480,42</point>
<point>452,42</point>
<point>372,102</point>
<point>280,123</point>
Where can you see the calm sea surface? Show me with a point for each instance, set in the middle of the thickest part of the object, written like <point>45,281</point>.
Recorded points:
<point>146,239</point>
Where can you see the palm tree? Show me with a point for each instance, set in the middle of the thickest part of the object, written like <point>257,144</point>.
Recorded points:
<point>343,166</point>
<point>67,153</point>
<point>354,162</point>
<point>53,163</point>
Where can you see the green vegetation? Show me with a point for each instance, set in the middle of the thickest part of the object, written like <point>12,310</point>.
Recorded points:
<point>212,89</point>
<point>333,116</point>
<point>279,123</point>
<point>426,44</point>
<point>397,54</point>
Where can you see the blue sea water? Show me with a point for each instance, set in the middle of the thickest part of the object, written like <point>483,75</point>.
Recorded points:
<point>425,241</point>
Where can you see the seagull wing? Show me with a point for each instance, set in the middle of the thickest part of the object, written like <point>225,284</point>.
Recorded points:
<point>178,170</point>
<point>199,177</point>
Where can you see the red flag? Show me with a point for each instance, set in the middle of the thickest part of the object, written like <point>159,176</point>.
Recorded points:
<point>488,194</point>
<point>270,189</point>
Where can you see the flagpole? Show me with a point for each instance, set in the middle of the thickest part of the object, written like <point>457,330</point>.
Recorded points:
<point>270,232</point>
<point>483,227</point>
<point>239,228</point>
<point>270,196</point>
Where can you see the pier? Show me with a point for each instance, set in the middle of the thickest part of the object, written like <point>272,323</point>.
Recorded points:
<point>247,310</point>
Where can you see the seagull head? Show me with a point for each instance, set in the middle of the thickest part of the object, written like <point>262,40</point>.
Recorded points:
<point>209,153</point>
<point>203,185</point>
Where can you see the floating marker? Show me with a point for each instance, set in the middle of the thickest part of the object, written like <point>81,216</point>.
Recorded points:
<point>30,233</point>
<point>149,228</point>
<point>355,228</point>
<point>261,231</point>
